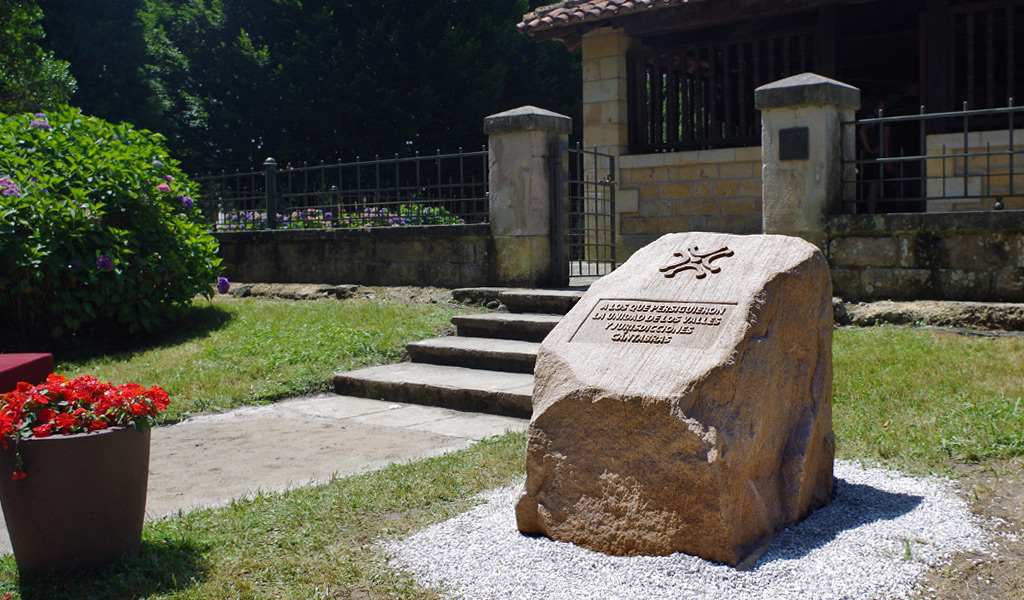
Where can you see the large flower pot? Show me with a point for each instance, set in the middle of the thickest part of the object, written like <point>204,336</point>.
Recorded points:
<point>82,503</point>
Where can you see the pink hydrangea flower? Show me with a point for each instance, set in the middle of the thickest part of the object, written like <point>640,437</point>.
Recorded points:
<point>9,188</point>
<point>163,187</point>
<point>105,263</point>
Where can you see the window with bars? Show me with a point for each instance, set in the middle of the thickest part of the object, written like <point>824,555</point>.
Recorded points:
<point>702,95</point>
<point>987,57</point>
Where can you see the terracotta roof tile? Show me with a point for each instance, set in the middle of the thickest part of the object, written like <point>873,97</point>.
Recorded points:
<point>574,12</point>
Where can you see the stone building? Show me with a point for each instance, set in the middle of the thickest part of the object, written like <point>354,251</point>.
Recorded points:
<point>668,87</point>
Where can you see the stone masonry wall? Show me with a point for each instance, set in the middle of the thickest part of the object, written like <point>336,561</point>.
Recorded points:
<point>445,256</point>
<point>984,178</point>
<point>704,190</point>
<point>938,256</point>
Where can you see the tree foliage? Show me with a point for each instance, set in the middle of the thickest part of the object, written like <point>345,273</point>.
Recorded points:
<point>31,79</point>
<point>230,82</point>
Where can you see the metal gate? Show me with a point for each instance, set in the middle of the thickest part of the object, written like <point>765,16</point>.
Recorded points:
<point>583,215</point>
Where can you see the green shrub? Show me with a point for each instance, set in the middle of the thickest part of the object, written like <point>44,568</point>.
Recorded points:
<point>98,232</point>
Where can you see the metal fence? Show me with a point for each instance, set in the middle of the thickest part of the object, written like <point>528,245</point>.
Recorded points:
<point>938,162</point>
<point>583,205</point>
<point>438,189</point>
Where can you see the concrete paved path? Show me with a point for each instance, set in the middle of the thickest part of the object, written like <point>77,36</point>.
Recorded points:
<point>210,460</point>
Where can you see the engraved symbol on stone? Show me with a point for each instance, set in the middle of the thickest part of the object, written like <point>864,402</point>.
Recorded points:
<point>698,261</point>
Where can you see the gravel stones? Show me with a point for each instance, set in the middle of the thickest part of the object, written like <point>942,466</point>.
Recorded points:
<point>875,540</point>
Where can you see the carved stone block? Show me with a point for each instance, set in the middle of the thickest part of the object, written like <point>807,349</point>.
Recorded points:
<point>684,404</point>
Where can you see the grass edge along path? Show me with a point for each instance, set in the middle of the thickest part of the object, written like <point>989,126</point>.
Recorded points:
<point>230,353</point>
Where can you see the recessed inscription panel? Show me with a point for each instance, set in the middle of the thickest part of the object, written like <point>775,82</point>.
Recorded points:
<point>654,322</point>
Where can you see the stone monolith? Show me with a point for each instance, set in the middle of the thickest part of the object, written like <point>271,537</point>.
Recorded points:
<point>684,404</point>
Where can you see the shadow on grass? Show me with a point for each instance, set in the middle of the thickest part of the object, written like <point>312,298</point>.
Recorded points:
<point>159,568</point>
<point>853,505</point>
<point>110,340</point>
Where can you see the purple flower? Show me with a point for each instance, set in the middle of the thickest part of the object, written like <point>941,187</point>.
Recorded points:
<point>186,203</point>
<point>157,164</point>
<point>328,216</point>
<point>169,177</point>
<point>105,263</point>
<point>39,124</point>
<point>40,115</point>
<point>8,188</point>
<point>163,187</point>
<point>223,285</point>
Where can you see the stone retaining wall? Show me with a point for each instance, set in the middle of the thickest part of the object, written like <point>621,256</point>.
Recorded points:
<point>940,256</point>
<point>445,256</point>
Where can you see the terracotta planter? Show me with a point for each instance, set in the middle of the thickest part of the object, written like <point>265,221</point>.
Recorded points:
<point>83,502</point>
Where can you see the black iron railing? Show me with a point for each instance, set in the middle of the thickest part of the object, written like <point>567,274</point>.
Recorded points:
<point>937,162</point>
<point>438,189</point>
<point>587,213</point>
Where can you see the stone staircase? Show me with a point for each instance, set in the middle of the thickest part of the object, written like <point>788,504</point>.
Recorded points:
<point>486,367</point>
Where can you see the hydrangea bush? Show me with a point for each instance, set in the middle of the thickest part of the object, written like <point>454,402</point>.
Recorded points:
<point>98,229</point>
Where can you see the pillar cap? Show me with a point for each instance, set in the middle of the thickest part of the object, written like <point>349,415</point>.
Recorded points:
<point>527,118</point>
<point>806,88</point>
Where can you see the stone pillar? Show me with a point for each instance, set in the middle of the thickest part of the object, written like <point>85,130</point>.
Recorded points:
<point>605,110</point>
<point>801,152</point>
<point>519,144</point>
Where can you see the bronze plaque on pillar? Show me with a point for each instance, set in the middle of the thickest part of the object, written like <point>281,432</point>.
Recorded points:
<point>793,144</point>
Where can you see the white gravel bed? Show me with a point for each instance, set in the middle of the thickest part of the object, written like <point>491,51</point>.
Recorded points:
<point>877,537</point>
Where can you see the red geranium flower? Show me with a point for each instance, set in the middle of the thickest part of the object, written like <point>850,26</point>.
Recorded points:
<point>80,405</point>
<point>65,422</point>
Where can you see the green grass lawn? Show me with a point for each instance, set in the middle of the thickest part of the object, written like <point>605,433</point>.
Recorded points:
<point>232,353</point>
<point>915,400</point>
<point>918,399</point>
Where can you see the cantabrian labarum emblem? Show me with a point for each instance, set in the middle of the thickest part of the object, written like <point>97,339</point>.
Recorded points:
<point>699,261</point>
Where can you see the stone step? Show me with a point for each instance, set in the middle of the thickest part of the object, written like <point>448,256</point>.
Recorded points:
<point>540,301</point>
<point>507,326</point>
<point>476,353</point>
<point>477,390</point>
<point>478,295</point>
